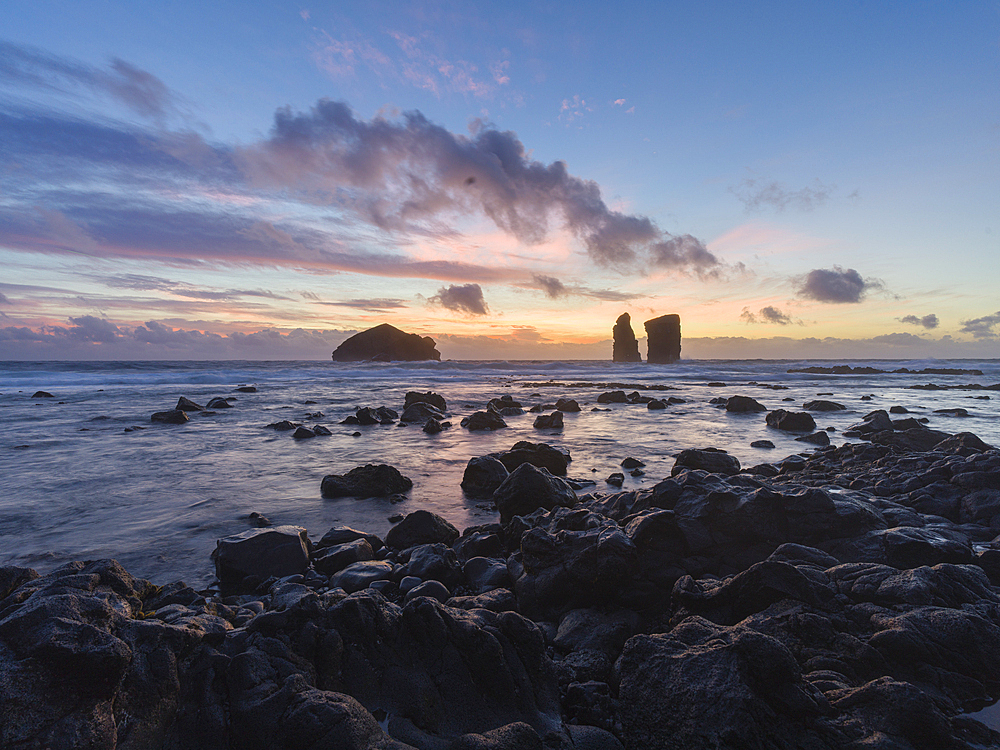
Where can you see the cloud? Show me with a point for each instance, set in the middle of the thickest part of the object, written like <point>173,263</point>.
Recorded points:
<point>467,298</point>
<point>140,91</point>
<point>836,285</point>
<point>550,285</point>
<point>370,305</point>
<point>927,321</point>
<point>757,195</point>
<point>573,109</point>
<point>619,102</point>
<point>398,174</point>
<point>982,328</point>
<point>4,300</point>
<point>767,314</point>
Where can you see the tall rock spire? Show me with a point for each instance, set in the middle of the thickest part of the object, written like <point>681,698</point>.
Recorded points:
<point>663,339</point>
<point>626,348</point>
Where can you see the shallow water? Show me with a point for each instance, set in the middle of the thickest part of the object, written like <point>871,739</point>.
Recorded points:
<point>75,485</point>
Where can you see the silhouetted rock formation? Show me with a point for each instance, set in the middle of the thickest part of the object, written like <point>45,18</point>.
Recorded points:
<point>663,336</point>
<point>386,343</point>
<point>626,347</point>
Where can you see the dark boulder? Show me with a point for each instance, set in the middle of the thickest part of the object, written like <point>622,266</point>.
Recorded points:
<point>483,420</point>
<point>663,337</point>
<point>529,488</point>
<point>541,455</point>
<point>613,397</point>
<point>369,480</point>
<point>421,411</point>
<point>344,534</point>
<point>42,394</point>
<point>914,439</point>
<point>434,399</point>
<point>388,344</point>
<point>626,346</point>
<point>744,404</point>
<point>816,438</point>
<point>420,527</point>
<point>553,421</point>
<point>174,416</point>
<point>333,559</point>
<point>435,561</point>
<point>656,403</point>
<point>567,405</point>
<point>219,403</point>
<point>483,474</point>
<point>303,433</point>
<point>360,575</point>
<point>876,421</point>
<point>186,404</point>
<point>277,551</point>
<point>791,421</point>
<point>713,461</point>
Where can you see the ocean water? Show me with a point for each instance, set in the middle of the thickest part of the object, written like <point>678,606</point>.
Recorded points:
<point>74,484</point>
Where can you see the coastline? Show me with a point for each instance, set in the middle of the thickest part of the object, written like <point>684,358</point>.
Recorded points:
<point>830,596</point>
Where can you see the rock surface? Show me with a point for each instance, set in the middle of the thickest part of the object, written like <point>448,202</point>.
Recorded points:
<point>388,344</point>
<point>663,337</point>
<point>625,347</point>
<point>370,480</point>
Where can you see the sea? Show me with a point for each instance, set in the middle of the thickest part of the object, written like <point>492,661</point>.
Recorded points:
<point>86,474</point>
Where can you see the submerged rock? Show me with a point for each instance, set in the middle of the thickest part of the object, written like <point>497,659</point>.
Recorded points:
<point>174,416</point>
<point>483,474</point>
<point>791,421</point>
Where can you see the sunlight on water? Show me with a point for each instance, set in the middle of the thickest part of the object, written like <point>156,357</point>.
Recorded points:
<point>76,485</point>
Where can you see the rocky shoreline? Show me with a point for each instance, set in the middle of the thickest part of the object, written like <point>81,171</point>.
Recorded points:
<point>849,597</point>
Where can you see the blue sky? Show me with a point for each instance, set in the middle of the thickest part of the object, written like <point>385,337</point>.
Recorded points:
<point>261,180</point>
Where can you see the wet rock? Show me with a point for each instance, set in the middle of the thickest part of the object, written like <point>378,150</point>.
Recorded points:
<point>344,534</point>
<point>434,399</point>
<point>761,444</point>
<point>276,551</point>
<point>712,460</point>
<point>483,420</point>
<point>625,346</point>
<point>321,430</point>
<point>613,397</point>
<point>553,421</point>
<point>174,416</point>
<point>302,433</point>
<point>656,404</point>
<point>914,439</point>
<point>219,403</point>
<point>631,463</point>
<point>567,405</point>
<point>529,488</point>
<point>821,405</point>
<point>283,426</point>
<point>485,574</point>
<point>790,421</point>
<point>369,480</point>
<point>245,389</point>
<point>420,412</point>
<point>434,589</point>
<point>744,404</point>
<point>483,474</point>
<point>42,394</point>
<point>333,559</point>
<point>898,410</point>
<point>876,421</point>
<point>816,438</point>
<point>186,404</point>
<point>360,575</point>
<point>420,527</point>
<point>616,479</point>
<point>433,427</point>
<point>541,455</point>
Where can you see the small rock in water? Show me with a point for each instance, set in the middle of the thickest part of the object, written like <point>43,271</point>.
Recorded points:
<point>631,463</point>
<point>370,480</point>
<point>553,421</point>
<point>321,430</point>
<point>816,438</point>
<point>567,405</point>
<point>761,444</point>
<point>219,403</point>
<point>246,389</point>
<point>259,520</point>
<point>186,404</point>
<point>42,394</point>
<point>302,433</point>
<point>283,425</point>
<point>655,404</point>
<point>898,410</point>
<point>174,416</point>
<point>616,480</point>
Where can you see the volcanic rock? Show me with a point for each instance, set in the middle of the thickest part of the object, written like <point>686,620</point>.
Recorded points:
<point>420,527</point>
<point>186,404</point>
<point>790,421</point>
<point>388,344</point>
<point>369,480</point>
<point>626,346</point>
<point>42,394</point>
<point>276,551</point>
<point>744,404</point>
<point>821,405</point>
<point>541,455</point>
<point>529,488</point>
<point>483,420</point>
<point>567,405</point>
<point>663,337</point>
<point>174,416</point>
<point>553,421</point>
<point>434,399</point>
<point>713,461</point>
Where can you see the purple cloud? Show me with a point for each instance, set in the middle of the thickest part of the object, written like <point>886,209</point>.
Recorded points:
<point>836,285</point>
<point>982,328</point>
<point>467,298</point>
<point>927,321</point>
<point>767,314</point>
<point>756,195</point>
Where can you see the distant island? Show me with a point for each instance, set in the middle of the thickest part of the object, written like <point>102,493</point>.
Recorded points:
<point>386,343</point>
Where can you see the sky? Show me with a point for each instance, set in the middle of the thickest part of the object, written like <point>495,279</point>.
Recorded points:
<point>261,180</point>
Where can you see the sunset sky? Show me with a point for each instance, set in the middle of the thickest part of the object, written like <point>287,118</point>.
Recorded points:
<point>260,180</point>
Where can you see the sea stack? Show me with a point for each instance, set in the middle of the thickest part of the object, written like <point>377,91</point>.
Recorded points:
<point>626,346</point>
<point>386,343</point>
<point>663,336</point>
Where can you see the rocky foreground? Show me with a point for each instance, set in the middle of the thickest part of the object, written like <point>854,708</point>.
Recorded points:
<point>848,599</point>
